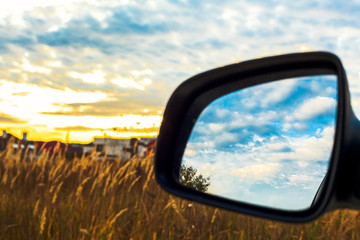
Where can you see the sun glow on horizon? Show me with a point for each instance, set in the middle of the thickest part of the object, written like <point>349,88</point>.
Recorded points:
<point>131,126</point>
<point>47,114</point>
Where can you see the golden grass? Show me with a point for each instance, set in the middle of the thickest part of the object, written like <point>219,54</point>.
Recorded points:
<point>55,198</point>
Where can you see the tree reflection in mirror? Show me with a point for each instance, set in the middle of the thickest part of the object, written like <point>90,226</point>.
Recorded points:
<point>190,177</point>
<point>268,145</point>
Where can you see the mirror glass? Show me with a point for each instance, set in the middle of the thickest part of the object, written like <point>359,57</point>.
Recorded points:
<point>268,145</point>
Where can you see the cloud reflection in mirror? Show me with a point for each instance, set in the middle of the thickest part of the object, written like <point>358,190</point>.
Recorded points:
<point>269,144</point>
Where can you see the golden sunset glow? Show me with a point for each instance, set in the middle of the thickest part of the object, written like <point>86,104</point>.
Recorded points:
<point>304,48</point>
<point>77,134</point>
<point>47,113</point>
<point>84,129</point>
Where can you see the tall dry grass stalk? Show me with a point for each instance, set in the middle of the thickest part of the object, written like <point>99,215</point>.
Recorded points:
<point>56,198</point>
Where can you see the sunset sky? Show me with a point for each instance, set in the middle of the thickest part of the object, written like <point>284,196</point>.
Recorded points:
<point>107,68</point>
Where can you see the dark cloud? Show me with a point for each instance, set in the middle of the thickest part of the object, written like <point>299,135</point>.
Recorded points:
<point>22,41</point>
<point>21,94</point>
<point>209,44</point>
<point>111,108</point>
<point>133,21</point>
<point>5,118</point>
<point>135,130</point>
<point>115,129</point>
<point>75,128</point>
<point>285,149</point>
<point>73,37</point>
<point>88,32</point>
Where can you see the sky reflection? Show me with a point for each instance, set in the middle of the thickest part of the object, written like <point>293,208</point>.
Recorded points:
<point>269,144</point>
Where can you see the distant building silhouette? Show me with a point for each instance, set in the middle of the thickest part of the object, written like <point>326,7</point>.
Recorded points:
<point>24,145</point>
<point>105,146</point>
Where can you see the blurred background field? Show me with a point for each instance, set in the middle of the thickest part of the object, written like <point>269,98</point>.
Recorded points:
<point>84,198</point>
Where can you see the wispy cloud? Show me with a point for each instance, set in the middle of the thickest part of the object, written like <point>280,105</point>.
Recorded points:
<point>5,118</point>
<point>257,172</point>
<point>313,107</point>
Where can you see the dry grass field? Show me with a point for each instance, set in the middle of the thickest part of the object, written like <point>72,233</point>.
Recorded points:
<point>56,198</point>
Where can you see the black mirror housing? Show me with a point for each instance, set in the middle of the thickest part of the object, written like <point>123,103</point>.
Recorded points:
<point>338,189</point>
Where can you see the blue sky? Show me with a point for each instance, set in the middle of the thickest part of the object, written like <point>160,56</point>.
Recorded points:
<point>265,143</point>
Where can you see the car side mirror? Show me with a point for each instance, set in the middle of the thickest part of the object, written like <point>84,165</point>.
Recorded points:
<point>274,137</point>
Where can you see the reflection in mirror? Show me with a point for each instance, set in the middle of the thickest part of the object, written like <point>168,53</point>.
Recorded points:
<point>269,144</point>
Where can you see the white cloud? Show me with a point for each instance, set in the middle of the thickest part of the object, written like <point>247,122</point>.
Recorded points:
<point>53,63</point>
<point>277,146</point>
<point>209,169</point>
<point>268,94</point>
<point>201,145</point>
<point>298,126</point>
<point>313,107</point>
<point>241,120</point>
<point>127,83</point>
<point>308,149</point>
<point>259,172</point>
<point>24,100</point>
<point>226,138</point>
<point>96,77</point>
<point>265,162</point>
<point>221,112</point>
<point>27,66</point>
<point>278,91</point>
<point>190,152</point>
<point>142,72</point>
<point>302,179</point>
<point>216,127</point>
